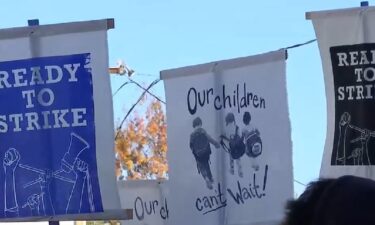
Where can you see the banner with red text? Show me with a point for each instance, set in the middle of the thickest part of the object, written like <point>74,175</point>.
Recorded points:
<point>56,123</point>
<point>229,141</point>
<point>346,41</point>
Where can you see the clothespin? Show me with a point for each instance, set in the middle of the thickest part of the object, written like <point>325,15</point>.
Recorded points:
<point>364,3</point>
<point>33,22</point>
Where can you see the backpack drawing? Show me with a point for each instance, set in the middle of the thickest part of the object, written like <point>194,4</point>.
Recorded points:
<point>253,144</point>
<point>200,144</point>
<point>236,145</point>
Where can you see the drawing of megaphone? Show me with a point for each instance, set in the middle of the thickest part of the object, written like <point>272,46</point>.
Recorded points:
<point>76,147</point>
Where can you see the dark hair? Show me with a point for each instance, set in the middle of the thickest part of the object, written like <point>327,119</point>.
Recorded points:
<point>196,122</point>
<point>229,118</point>
<point>301,211</point>
<point>246,118</point>
<point>340,201</point>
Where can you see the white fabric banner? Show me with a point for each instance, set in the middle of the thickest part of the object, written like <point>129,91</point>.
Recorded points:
<point>347,48</point>
<point>148,200</point>
<point>229,141</point>
<point>56,124</point>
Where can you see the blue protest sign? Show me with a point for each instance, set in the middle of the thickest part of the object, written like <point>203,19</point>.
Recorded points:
<point>47,137</point>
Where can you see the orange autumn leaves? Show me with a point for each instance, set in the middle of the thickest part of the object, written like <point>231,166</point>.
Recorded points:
<point>141,146</point>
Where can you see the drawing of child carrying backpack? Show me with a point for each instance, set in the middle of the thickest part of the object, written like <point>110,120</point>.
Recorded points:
<point>200,146</point>
<point>252,140</point>
<point>233,143</point>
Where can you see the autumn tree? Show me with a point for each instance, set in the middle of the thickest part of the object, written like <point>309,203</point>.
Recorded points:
<point>141,145</point>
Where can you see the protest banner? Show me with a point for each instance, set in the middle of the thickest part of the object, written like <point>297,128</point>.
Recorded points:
<point>148,200</point>
<point>56,123</point>
<point>229,141</point>
<point>347,47</point>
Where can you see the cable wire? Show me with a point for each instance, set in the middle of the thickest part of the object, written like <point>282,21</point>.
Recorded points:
<point>301,44</point>
<point>299,182</point>
<point>118,89</point>
<point>133,106</point>
<point>140,86</point>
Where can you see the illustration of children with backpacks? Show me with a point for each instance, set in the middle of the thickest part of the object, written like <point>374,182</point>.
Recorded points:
<point>200,142</point>
<point>252,140</point>
<point>235,142</point>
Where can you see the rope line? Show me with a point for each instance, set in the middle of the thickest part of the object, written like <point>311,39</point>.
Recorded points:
<point>301,44</point>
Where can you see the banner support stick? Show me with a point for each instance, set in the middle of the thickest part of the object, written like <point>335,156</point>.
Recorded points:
<point>35,22</point>
<point>53,222</point>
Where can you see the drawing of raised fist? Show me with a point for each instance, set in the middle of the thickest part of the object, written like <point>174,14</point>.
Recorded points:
<point>11,160</point>
<point>80,168</point>
<point>345,119</point>
<point>33,201</point>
